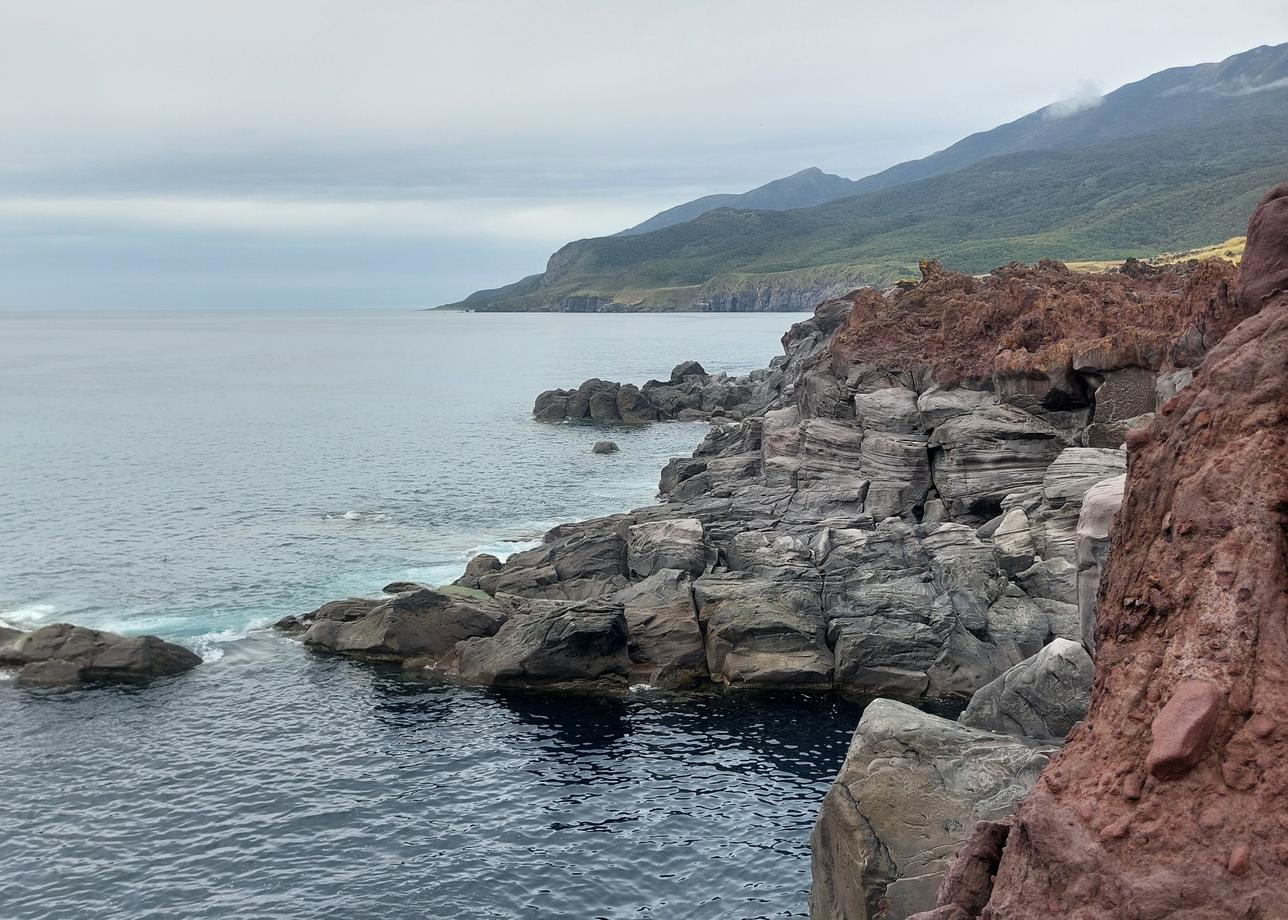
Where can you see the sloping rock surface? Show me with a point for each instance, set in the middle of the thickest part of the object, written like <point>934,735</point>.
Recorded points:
<point>912,788</point>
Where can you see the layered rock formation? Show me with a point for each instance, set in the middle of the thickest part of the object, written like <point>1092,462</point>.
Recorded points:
<point>1171,799</point>
<point>63,655</point>
<point>896,512</point>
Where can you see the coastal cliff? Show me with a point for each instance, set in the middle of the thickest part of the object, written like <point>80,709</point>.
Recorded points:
<point>1169,800</point>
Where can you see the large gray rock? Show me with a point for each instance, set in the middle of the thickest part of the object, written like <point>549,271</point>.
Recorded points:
<point>673,544</point>
<point>1077,469</point>
<point>1041,697</point>
<point>62,654</point>
<point>664,639</point>
<point>423,625</point>
<point>564,643</point>
<point>990,453</point>
<point>1095,524</point>
<point>349,608</point>
<point>910,791</point>
<point>762,632</point>
<point>938,406</point>
<point>576,562</point>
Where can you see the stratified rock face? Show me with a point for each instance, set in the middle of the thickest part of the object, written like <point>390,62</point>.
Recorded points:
<point>887,510</point>
<point>1041,697</point>
<point>65,655</point>
<point>1172,800</point>
<point>912,788</point>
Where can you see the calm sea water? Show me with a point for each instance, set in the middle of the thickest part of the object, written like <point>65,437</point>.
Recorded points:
<point>197,476</point>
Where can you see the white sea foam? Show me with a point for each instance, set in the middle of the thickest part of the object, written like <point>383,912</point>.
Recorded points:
<point>28,615</point>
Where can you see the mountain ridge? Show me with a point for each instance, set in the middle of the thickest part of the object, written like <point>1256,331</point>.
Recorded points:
<point>1134,172</point>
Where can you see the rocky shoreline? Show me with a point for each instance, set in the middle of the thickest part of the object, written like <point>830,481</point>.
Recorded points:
<point>916,502</point>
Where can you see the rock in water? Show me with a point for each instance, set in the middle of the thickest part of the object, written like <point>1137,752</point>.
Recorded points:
<point>577,642</point>
<point>1172,800</point>
<point>65,655</point>
<point>911,789</point>
<point>604,447</point>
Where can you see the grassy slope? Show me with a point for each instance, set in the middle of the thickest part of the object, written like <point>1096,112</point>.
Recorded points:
<point>1137,196</point>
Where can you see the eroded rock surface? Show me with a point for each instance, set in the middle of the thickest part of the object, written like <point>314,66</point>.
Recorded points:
<point>876,511</point>
<point>911,790</point>
<point>1171,799</point>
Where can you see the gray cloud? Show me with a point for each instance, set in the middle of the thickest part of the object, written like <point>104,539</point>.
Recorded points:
<point>400,153</point>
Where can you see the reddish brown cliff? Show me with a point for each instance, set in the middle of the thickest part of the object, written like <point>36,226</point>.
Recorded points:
<point>1041,319</point>
<point>1171,799</point>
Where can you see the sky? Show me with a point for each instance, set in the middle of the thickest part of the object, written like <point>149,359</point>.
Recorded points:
<point>294,154</point>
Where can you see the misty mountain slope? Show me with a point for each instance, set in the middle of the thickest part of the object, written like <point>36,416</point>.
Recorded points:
<point>1172,162</point>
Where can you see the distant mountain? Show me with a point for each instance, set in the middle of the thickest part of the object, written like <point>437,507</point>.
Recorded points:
<point>1174,161</point>
<point>800,190</point>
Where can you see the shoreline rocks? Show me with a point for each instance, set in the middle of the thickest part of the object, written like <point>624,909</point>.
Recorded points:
<point>64,655</point>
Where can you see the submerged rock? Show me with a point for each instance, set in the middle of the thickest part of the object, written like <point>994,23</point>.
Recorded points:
<point>604,447</point>
<point>65,655</point>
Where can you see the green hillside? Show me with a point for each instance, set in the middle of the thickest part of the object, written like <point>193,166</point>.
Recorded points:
<point>1175,188</point>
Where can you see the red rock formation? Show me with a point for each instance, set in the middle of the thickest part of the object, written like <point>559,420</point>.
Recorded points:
<point>1171,799</point>
<point>1041,319</point>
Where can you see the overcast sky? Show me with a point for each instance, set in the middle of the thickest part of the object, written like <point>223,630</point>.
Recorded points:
<point>390,153</point>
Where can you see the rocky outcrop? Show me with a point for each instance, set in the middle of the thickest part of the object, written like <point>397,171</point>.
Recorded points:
<point>1170,800</point>
<point>422,626</point>
<point>549,646</point>
<point>63,655</point>
<point>690,394</point>
<point>1041,697</point>
<point>891,510</point>
<point>912,788</point>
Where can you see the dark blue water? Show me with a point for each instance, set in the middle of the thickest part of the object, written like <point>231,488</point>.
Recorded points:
<point>198,475</point>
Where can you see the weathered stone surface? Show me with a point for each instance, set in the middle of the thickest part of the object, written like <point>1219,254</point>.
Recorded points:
<point>604,447</point>
<point>566,643</point>
<point>1014,542</point>
<point>1077,469</point>
<point>665,642</point>
<point>674,544</point>
<point>969,882</point>
<point>990,453</point>
<point>911,789</point>
<point>62,654</point>
<point>1196,590</point>
<point>762,632</point>
<point>424,624</point>
<point>350,608</point>
<point>478,566</point>
<point>1041,697</point>
<point>1095,522</point>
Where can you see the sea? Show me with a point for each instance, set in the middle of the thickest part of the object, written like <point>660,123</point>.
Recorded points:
<point>199,475</point>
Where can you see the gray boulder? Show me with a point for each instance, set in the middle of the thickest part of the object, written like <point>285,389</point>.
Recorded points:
<point>1041,697</point>
<point>761,632</point>
<point>686,369</point>
<point>563,643</point>
<point>423,625</point>
<point>664,640</point>
<point>62,654</point>
<point>990,453</point>
<point>675,544</point>
<point>349,608</point>
<point>604,447</point>
<point>912,787</point>
<point>478,566</point>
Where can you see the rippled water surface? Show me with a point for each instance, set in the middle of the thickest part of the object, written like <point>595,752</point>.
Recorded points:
<point>198,475</point>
